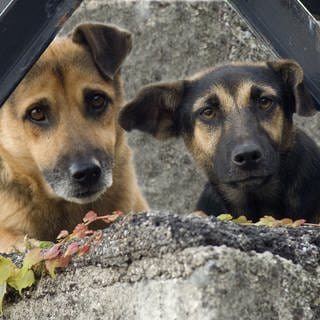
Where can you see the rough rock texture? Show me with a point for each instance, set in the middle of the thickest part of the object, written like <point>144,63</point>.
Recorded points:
<point>166,266</point>
<point>173,40</point>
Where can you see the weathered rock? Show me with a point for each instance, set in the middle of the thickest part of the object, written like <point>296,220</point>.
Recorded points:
<point>166,266</point>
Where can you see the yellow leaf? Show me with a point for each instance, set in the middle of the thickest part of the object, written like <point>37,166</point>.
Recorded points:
<point>242,220</point>
<point>266,221</point>
<point>7,268</point>
<point>33,257</point>
<point>225,217</point>
<point>286,221</point>
<point>21,279</point>
<point>3,290</point>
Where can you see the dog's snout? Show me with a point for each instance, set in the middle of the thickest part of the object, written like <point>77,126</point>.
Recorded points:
<point>86,172</point>
<point>247,156</point>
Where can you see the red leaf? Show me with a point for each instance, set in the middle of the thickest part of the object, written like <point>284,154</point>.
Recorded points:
<point>52,264</point>
<point>72,249</point>
<point>62,234</point>
<point>51,253</point>
<point>84,249</point>
<point>117,213</point>
<point>80,230</point>
<point>90,217</point>
<point>98,235</point>
<point>298,223</point>
<point>112,217</point>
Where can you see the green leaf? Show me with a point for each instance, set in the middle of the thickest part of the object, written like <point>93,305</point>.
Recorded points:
<point>225,217</point>
<point>7,268</point>
<point>45,244</point>
<point>3,290</point>
<point>22,279</point>
<point>32,258</point>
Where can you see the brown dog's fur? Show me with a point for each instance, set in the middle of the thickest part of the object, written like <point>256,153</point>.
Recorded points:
<point>35,195</point>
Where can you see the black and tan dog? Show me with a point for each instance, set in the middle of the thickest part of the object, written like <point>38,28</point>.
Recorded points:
<point>236,121</point>
<point>62,151</point>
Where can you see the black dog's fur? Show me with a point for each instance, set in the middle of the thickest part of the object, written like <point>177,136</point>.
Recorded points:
<point>297,197</point>
<point>236,121</point>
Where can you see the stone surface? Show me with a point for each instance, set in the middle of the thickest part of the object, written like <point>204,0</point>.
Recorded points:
<point>166,266</point>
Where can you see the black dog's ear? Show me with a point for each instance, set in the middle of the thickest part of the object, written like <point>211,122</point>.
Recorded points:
<point>108,45</point>
<point>153,110</point>
<point>292,75</point>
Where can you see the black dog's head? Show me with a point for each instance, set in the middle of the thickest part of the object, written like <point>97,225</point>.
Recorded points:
<point>235,119</point>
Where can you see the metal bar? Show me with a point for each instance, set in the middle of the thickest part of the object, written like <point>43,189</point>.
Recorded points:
<point>290,30</point>
<point>26,28</point>
<point>313,6</point>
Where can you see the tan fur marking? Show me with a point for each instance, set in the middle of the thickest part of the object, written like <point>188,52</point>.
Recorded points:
<point>204,143</point>
<point>203,73</point>
<point>226,100</point>
<point>274,126</point>
<point>243,95</point>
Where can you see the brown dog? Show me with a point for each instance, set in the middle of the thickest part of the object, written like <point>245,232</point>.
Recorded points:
<point>236,121</point>
<point>62,151</point>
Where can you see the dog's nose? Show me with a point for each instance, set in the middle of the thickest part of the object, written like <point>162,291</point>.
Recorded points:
<point>246,155</point>
<point>85,173</point>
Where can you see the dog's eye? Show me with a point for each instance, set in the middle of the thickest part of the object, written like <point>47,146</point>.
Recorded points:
<point>208,113</point>
<point>37,114</point>
<point>97,101</point>
<point>265,103</point>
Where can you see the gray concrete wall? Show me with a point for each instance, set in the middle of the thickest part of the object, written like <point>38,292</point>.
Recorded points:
<point>172,40</point>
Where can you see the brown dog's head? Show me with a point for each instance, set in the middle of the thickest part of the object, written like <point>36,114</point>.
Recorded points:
<point>59,127</point>
<point>236,119</point>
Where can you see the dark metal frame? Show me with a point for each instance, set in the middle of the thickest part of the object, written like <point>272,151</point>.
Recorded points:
<point>290,29</point>
<point>26,28</point>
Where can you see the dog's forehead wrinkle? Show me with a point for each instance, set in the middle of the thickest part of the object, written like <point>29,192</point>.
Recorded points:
<point>243,94</point>
<point>57,59</point>
<point>233,75</point>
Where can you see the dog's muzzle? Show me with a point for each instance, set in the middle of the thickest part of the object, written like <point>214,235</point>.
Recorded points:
<point>81,180</point>
<point>86,173</point>
<point>247,156</point>
<point>247,165</point>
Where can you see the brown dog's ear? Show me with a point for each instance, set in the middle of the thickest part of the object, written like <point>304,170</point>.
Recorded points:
<point>108,45</point>
<point>153,110</point>
<point>292,75</point>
